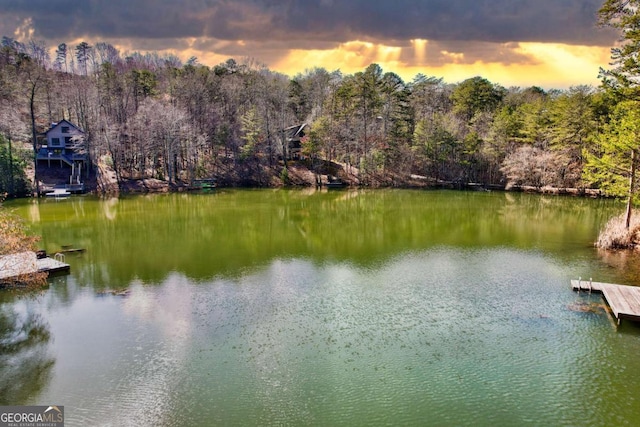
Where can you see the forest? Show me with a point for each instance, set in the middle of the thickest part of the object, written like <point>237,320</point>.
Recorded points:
<point>151,116</point>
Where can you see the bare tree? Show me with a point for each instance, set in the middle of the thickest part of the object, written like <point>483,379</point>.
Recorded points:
<point>104,52</point>
<point>38,51</point>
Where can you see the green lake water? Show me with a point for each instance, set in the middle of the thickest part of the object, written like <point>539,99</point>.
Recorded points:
<point>291,307</point>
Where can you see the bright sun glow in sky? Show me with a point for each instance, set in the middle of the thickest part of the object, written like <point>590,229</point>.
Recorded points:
<point>543,43</point>
<point>548,65</point>
<point>551,66</point>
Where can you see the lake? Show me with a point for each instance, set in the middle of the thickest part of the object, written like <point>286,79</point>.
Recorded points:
<point>302,307</point>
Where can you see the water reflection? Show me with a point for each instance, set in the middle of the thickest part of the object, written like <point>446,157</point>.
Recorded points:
<point>298,308</point>
<point>455,336</point>
<point>109,208</point>
<point>25,359</point>
<point>624,266</point>
<point>227,233</point>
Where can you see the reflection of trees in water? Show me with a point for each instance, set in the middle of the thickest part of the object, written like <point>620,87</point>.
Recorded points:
<point>625,263</point>
<point>146,238</point>
<point>25,363</point>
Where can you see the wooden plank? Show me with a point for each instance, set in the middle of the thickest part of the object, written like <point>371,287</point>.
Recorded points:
<point>586,285</point>
<point>12,266</point>
<point>612,300</point>
<point>627,296</point>
<point>635,297</point>
<point>72,250</point>
<point>632,296</point>
<point>616,299</point>
<point>623,300</point>
<point>51,265</point>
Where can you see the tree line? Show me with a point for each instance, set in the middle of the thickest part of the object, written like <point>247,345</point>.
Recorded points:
<point>152,116</point>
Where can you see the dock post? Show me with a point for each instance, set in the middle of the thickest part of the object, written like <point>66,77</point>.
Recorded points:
<point>579,283</point>
<point>590,283</point>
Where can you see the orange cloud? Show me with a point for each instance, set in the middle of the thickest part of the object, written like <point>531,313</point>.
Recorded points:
<point>549,65</point>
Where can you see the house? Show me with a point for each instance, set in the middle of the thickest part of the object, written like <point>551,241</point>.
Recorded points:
<point>293,136</point>
<point>63,146</point>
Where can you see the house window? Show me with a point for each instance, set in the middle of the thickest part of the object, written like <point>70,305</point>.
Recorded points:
<point>55,142</point>
<point>65,129</point>
<point>67,141</point>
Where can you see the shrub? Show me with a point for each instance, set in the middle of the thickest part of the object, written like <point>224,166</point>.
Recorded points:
<point>284,176</point>
<point>14,239</point>
<point>616,236</point>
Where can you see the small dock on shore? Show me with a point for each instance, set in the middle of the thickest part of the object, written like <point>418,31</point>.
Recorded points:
<point>14,265</point>
<point>204,184</point>
<point>53,265</point>
<point>624,301</point>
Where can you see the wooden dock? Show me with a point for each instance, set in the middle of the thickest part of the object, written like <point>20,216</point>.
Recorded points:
<point>624,301</point>
<point>14,265</point>
<point>51,266</point>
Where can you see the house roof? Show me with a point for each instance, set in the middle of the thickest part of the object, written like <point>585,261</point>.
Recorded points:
<point>295,131</point>
<point>63,122</point>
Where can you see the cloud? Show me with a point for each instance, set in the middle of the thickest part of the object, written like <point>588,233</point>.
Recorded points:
<point>301,22</point>
<point>498,21</point>
<point>456,38</point>
<point>436,53</point>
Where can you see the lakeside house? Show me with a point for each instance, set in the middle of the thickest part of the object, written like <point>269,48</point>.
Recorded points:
<point>62,147</point>
<point>293,136</point>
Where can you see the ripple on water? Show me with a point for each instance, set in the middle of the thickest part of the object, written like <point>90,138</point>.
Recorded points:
<point>443,337</point>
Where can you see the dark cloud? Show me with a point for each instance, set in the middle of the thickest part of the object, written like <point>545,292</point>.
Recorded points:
<point>497,21</point>
<point>296,21</point>
<point>467,53</point>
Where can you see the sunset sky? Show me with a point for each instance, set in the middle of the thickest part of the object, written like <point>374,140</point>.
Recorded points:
<point>548,43</point>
